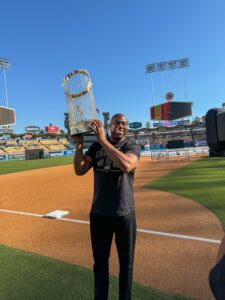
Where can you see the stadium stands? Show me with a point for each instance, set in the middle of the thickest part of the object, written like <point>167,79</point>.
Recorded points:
<point>2,151</point>
<point>158,139</point>
<point>19,146</point>
<point>14,149</point>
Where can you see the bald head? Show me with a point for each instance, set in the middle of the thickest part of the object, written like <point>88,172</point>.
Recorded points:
<point>118,116</point>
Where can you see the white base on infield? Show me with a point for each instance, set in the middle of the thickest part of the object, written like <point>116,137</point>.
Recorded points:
<point>166,234</point>
<point>56,214</point>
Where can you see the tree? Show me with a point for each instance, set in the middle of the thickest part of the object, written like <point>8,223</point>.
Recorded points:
<point>196,121</point>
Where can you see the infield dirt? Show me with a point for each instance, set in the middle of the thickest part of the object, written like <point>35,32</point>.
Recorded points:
<point>174,265</point>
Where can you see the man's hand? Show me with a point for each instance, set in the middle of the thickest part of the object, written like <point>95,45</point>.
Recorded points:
<point>99,130</point>
<point>78,139</point>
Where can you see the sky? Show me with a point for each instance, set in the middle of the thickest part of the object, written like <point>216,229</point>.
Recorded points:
<point>114,40</point>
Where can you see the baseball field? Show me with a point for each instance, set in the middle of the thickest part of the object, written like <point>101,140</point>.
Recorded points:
<point>180,216</point>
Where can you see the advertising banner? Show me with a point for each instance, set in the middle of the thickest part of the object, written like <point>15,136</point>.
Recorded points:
<point>32,129</point>
<point>135,125</point>
<point>68,152</point>
<point>52,129</point>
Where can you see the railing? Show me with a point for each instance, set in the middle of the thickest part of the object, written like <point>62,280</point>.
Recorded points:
<point>176,153</point>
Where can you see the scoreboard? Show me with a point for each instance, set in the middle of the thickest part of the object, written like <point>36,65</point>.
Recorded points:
<point>171,110</point>
<point>7,116</point>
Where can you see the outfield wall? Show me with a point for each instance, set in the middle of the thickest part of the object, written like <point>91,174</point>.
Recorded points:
<point>155,154</point>
<point>19,156</point>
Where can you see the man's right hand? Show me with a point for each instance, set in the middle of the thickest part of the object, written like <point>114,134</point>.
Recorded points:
<point>78,139</point>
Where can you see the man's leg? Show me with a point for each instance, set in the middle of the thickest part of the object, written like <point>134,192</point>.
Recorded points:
<point>217,279</point>
<point>125,241</point>
<point>101,239</point>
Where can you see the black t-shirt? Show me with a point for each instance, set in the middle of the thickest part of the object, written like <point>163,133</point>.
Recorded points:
<point>113,188</point>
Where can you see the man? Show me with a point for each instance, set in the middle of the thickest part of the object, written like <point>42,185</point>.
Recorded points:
<point>217,274</point>
<point>114,161</point>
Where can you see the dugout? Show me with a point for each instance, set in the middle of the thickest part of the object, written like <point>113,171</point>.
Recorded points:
<point>34,154</point>
<point>175,144</point>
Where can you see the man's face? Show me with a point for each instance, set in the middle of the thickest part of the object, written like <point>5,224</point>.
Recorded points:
<point>118,128</point>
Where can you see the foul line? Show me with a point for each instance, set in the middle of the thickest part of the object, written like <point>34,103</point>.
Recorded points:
<point>181,236</point>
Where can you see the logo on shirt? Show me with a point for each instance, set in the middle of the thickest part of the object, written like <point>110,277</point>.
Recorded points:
<point>104,162</point>
<point>101,153</point>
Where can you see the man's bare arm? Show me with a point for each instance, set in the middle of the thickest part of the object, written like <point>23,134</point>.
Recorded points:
<point>125,161</point>
<point>82,163</point>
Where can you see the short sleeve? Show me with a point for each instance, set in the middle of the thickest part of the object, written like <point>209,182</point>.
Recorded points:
<point>92,150</point>
<point>133,147</point>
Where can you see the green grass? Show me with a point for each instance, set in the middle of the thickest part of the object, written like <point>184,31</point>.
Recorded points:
<point>202,180</point>
<point>33,277</point>
<point>24,165</point>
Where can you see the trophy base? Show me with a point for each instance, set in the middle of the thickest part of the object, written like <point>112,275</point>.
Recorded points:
<point>80,128</point>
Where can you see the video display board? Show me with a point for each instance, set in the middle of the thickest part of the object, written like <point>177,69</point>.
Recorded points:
<point>7,116</point>
<point>171,111</point>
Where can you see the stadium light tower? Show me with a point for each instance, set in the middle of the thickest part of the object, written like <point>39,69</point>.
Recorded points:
<point>4,64</point>
<point>106,116</point>
<point>168,65</point>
